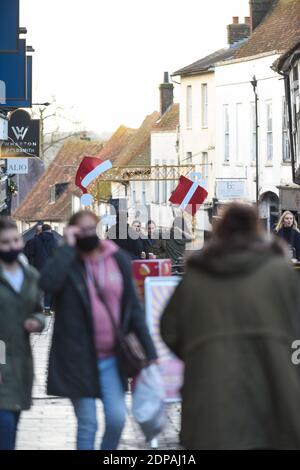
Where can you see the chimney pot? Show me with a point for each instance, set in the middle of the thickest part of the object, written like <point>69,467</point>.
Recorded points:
<point>247,19</point>
<point>235,20</point>
<point>166,90</point>
<point>259,9</point>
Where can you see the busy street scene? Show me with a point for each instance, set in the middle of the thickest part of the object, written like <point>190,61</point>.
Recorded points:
<point>149,228</point>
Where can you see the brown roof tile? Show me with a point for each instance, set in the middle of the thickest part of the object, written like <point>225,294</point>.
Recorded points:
<point>279,31</point>
<point>138,151</point>
<point>169,121</point>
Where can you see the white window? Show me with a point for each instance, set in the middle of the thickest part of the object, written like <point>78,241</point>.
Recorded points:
<point>144,198</point>
<point>204,95</point>
<point>253,133</point>
<point>157,187</point>
<point>205,168</point>
<point>52,194</point>
<point>226,132</point>
<point>269,127</point>
<point>164,188</point>
<point>133,192</point>
<point>239,133</point>
<point>286,156</point>
<point>189,158</point>
<point>189,106</point>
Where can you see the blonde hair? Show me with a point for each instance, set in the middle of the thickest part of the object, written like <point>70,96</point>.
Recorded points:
<point>279,226</point>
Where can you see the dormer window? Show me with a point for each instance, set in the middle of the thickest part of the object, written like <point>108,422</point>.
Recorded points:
<point>56,191</point>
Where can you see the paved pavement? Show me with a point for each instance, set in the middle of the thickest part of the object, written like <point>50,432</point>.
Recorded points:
<point>51,425</point>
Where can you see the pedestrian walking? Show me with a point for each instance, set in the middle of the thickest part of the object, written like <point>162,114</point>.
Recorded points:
<point>153,241</point>
<point>29,246</point>
<point>125,237</point>
<point>43,248</point>
<point>94,297</point>
<point>287,229</point>
<point>180,236</point>
<point>20,315</point>
<point>233,320</point>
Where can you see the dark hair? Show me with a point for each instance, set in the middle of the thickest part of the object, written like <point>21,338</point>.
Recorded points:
<point>239,220</point>
<point>151,222</point>
<point>75,218</point>
<point>136,222</point>
<point>46,227</point>
<point>7,224</point>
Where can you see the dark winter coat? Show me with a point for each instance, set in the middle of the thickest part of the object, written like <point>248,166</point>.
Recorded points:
<point>292,237</point>
<point>73,368</point>
<point>42,249</point>
<point>16,376</point>
<point>233,320</point>
<point>132,244</point>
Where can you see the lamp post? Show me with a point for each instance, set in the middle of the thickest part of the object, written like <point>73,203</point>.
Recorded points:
<point>254,84</point>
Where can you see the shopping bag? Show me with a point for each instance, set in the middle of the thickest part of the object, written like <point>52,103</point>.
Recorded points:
<point>148,404</point>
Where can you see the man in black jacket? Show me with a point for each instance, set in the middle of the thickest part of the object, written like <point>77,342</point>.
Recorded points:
<point>43,248</point>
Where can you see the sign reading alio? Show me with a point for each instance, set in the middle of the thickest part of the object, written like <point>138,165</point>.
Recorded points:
<point>23,136</point>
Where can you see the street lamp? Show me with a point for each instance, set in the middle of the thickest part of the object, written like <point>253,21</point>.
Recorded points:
<point>254,84</point>
<point>41,104</point>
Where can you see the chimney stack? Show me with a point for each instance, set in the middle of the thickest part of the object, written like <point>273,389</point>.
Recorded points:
<point>166,94</point>
<point>237,31</point>
<point>258,11</point>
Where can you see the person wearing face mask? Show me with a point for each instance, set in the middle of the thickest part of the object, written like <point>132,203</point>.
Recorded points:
<point>287,229</point>
<point>20,315</point>
<point>83,364</point>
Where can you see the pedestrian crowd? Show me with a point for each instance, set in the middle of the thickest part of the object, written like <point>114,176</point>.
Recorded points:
<point>232,320</point>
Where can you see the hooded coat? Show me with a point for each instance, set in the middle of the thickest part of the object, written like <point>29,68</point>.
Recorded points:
<point>233,320</point>
<point>42,249</point>
<point>16,374</point>
<point>73,370</point>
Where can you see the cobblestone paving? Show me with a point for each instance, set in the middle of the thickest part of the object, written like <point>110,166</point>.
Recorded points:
<point>51,425</point>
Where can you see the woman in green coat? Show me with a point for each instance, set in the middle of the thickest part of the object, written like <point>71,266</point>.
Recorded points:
<point>19,316</point>
<point>233,321</point>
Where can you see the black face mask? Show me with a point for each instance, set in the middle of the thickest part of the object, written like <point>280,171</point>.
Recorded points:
<point>88,244</point>
<point>9,257</point>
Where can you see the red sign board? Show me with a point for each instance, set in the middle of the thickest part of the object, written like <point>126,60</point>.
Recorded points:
<point>150,268</point>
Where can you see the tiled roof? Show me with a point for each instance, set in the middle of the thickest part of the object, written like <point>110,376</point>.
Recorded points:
<point>208,62</point>
<point>119,140</point>
<point>279,31</point>
<point>36,205</point>
<point>138,150</point>
<point>169,121</point>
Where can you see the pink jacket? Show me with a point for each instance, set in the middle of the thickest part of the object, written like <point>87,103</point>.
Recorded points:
<point>106,271</point>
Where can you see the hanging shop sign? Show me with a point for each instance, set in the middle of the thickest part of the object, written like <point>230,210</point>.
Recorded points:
<point>17,166</point>
<point>231,189</point>
<point>23,136</point>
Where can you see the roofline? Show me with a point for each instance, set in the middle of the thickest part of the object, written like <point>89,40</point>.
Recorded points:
<point>287,55</point>
<point>247,59</point>
<point>199,72</point>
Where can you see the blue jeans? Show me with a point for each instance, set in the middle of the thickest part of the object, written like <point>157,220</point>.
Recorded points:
<point>113,399</point>
<point>8,429</point>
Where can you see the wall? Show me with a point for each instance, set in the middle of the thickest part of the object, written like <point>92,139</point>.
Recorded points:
<point>232,87</point>
<point>198,139</point>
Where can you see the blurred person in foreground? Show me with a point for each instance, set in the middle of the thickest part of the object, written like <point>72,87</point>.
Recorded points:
<point>232,321</point>
<point>20,315</point>
<point>83,362</point>
<point>287,229</point>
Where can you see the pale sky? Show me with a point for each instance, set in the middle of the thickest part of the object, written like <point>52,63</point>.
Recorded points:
<point>106,58</point>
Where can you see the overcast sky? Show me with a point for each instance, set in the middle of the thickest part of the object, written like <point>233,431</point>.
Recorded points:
<point>106,58</point>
